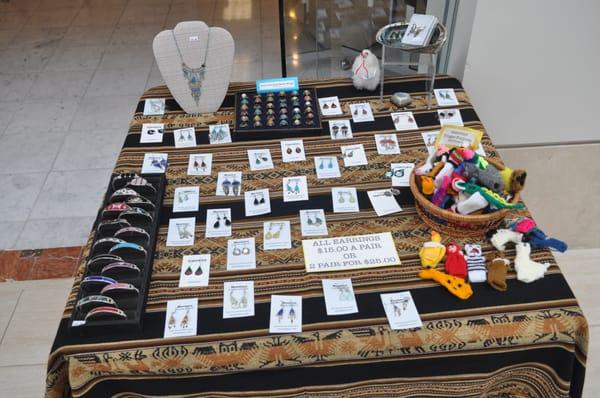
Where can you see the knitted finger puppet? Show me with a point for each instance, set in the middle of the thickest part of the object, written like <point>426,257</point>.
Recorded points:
<point>489,177</point>
<point>441,192</point>
<point>475,263</point>
<point>426,181</point>
<point>365,71</point>
<point>457,286</point>
<point>492,197</point>
<point>514,180</point>
<point>535,236</point>
<point>455,264</point>
<point>432,252</point>
<point>502,236</point>
<point>497,269</point>
<point>527,269</point>
<point>471,204</point>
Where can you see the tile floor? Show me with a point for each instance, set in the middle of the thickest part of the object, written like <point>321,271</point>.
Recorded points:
<point>24,349</point>
<point>70,74</point>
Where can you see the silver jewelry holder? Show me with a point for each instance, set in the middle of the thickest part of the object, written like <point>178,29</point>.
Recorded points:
<point>390,36</point>
<point>191,49</point>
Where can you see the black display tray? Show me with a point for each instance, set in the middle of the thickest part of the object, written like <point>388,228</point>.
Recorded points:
<point>277,109</point>
<point>133,306</point>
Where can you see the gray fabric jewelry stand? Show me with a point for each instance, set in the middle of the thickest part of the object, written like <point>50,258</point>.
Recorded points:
<point>214,47</point>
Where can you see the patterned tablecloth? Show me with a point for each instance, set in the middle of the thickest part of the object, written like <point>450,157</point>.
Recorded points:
<point>529,341</point>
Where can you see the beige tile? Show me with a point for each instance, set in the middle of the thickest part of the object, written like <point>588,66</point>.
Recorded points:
<point>8,303</point>
<point>33,326</point>
<point>9,233</point>
<point>580,268</point>
<point>16,86</point>
<point>124,57</point>
<point>561,191</point>
<point>53,17</point>
<point>50,115</point>
<point>37,37</point>
<point>108,82</point>
<point>24,59</point>
<point>134,35</point>
<point>591,388</point>
<point>55,232</point>
<point>75,58</point>
<point>87,36</point>
<point>27,381</point>
<point>104,113</point>
<point>98,16</point>
<point>61,84</point>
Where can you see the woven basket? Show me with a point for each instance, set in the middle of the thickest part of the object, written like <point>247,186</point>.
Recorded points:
<point>454,224</point>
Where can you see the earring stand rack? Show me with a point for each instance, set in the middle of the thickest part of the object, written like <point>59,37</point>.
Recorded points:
<point>431,50</point>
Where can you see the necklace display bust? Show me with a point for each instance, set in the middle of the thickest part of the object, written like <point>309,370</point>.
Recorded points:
<point>196,63</point>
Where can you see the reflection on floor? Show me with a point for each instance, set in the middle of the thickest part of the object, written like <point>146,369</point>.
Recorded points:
<point>71,72</point>
<point>29,316</point>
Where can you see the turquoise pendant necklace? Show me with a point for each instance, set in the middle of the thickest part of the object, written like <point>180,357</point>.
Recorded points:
<point>194,76</point>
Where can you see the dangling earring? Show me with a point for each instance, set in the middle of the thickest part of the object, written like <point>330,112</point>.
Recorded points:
<point>351,198</point>
<point>199,271</point>
<point>292,315</point>
<point>269,235</point>
<point>340,197</point>
<point>280,314</point>
<point>321,165</point>
<point>185,320</point>
<point>245,251</point>
<point>188,271</point>
<point>236,251</point>
<point>330,165</point>
<point>217,223</point>
<point>172,320</point>
<point>226,184</point>
<point>227,221</point>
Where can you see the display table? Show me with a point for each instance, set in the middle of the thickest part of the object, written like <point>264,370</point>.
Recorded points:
<point>528,341</point>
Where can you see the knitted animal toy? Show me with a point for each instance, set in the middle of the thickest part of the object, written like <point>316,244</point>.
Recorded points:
<point>455,261</point>
<point>527,269</point>
<point>502,236</point>
<point>488,177</point>
<point>432,252</point>
<point>365,71</point>
<point>514,180</point>
<point>457,286</point>
<point>475,263</point>
<point>535,236</point>
<point>492,197</point>
<point>497,268</point>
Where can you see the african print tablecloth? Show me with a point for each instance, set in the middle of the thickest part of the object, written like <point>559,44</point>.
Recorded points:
<point>529,341</point>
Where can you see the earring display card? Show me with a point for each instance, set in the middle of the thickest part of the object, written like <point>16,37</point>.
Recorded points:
<point>241,254</point>
<point>445,97</point>
<point>181,231</point>
<point>339,297</point>
<point>200,164</point>
<point>219,134</point>
<point>195,270</point>
<point>330,106</point>
<point>218,223</point>
<point>354,155</point>
<point>286,314</point>
<point>282,111</point>
<point>186,199</point>
<point>257,202</point>
<point>401,174</point>
<point>327,167</point>
<point>152,132</point>
<point>238,299</point>
<point>185,138</point>
<point>260,159</point>
<point>340,129</point>
<point>229,183</point>
<point>345,200</point>
<point>450,117</point>
<point>154,163</point>
<point>401,311</point>
<point>384,202</point>
<point>429,138</point>
<point>277,235</point>
<point>404,121</point>
<point>292,151</point>
<point>154,107</point>
<point>295,189</point>
<point>119,266</point>
<point>387,144</point>
<point>362,112</point>
<point>181,318</point>
<point>313,222</point>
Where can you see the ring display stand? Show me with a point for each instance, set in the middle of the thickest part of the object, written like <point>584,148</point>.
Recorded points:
<point>390,36</point>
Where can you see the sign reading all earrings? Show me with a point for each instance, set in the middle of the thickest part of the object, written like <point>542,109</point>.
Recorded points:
<point>350,252</point>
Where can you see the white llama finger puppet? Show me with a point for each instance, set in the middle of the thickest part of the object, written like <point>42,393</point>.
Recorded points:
<point>365,71</point>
